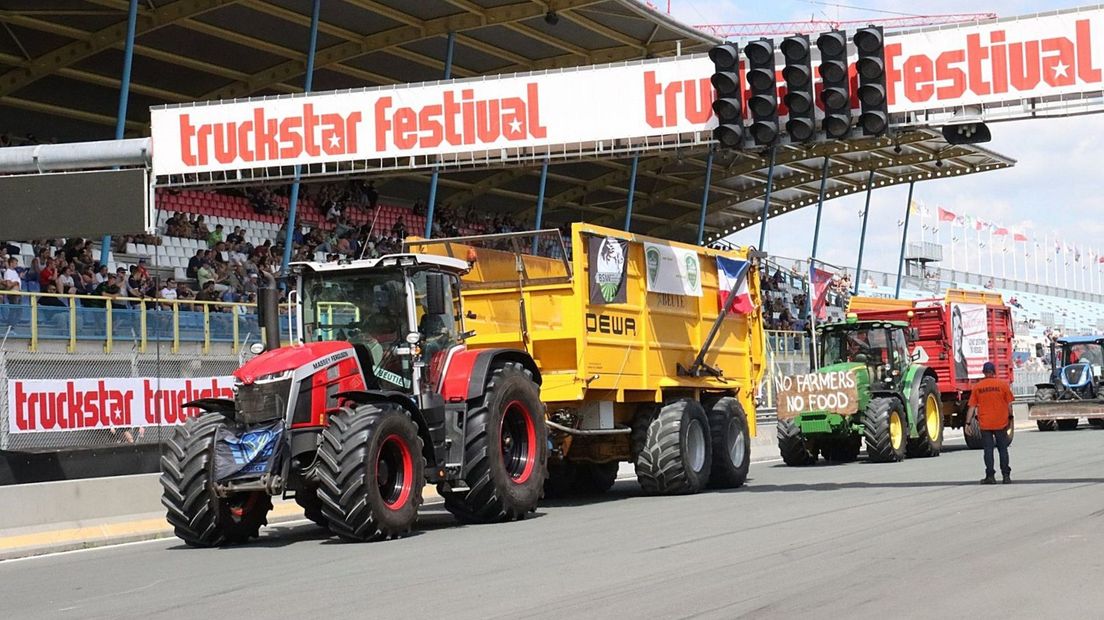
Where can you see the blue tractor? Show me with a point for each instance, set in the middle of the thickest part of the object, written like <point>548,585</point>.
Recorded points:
<point>1074,390</point>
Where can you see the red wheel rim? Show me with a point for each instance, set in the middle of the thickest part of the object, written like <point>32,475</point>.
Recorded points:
<point>394,472</point>
<point>518,441</point>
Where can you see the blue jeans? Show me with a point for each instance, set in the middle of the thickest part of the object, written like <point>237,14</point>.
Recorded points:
<point>998,439</point>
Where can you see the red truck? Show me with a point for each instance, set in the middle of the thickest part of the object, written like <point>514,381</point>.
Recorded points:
<point>953,336</point>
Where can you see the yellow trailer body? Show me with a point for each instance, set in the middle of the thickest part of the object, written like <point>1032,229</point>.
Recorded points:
<point>604,363</point>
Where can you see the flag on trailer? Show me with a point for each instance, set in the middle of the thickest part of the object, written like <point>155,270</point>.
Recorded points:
<point>945,215</point>
<point>821,279</point>
<point>729,272</point>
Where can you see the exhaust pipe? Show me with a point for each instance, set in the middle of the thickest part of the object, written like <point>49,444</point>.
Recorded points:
<point>268,313</point>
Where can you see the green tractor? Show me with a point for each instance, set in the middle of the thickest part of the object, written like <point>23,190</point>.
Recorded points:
<point>866,387</point>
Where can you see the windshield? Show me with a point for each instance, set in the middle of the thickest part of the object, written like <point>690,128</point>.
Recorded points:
<point>864,345</point>
<point>1084,353</point>
<point>366,309</point>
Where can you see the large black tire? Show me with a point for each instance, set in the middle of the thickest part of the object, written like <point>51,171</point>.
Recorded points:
<point>560,482</point>
<point>370,472</point>
<point>198,515</point>
<point>311,504</point>
<point>566,479</point>
<point>677,455</point>
<point>505,451</point>
<point>886,430</point>
<point>1096,422</point>
<point>1068,424</point>
<point>728,430</point>
<point>793,446</point>
<point>1044,394</point>
<point>972,433</point>
<point>929,422</point>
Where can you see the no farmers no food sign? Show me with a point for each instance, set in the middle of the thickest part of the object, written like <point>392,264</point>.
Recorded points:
<point>821,392</point>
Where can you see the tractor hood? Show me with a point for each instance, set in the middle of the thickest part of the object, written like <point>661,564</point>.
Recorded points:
<point>289,359</point>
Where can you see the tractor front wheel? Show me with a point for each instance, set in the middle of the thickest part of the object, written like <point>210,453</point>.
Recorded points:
<point>793,446</point>
<point>505,451</point>
<point>198,515</point>
<point>677,454</point>
<point>1045,394</point>
<point>886,430</point>
<point>371,472</point>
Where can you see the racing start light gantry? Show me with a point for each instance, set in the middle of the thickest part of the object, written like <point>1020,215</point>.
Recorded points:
<point>799,99</point>
<point>763,82</point>
<point>836,95</point>
<point>874,116</point>
<point>728,102</point>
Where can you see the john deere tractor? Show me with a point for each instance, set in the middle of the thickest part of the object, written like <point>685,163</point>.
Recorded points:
<point>866,388</point>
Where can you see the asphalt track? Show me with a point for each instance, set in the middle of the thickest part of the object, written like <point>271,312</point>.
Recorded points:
<point>914,539</point>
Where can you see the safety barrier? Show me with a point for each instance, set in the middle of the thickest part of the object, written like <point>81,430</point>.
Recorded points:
<point>39,317</point>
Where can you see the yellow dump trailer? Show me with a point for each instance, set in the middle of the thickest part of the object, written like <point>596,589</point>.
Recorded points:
<point>635,363</point>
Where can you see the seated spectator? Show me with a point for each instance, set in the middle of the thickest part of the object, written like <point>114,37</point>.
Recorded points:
<point>66,285</point>
<point>108,289</point>
<point>215,236</point>
<point>209,274</point>
<point>208,292</point>
<point>236,238</point>
<point>398,229</point>
<point>49,300</point>
<point>195,262</point>
<point>199,228</point>
<point>101,275</point>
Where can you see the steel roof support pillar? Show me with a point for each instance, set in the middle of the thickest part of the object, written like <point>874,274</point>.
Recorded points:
<point>431,203</point>
<point>904,238</point>
<point>820,205</point>
<point>766,200</point>
<point>632,191</point>
<point>705,196</point>
<point>124,97</point>
<point>293,200</point>
<point>862,237</point>
<point>540,202</point>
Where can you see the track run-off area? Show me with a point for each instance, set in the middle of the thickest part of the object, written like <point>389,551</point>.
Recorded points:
<point>861,540</point>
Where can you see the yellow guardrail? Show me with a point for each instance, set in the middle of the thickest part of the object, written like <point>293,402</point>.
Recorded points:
<point>140,308</point>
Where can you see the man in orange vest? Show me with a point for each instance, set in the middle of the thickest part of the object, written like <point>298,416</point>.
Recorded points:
<point>991,401</point>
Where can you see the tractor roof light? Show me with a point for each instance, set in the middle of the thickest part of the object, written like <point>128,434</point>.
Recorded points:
<point>852,318</point>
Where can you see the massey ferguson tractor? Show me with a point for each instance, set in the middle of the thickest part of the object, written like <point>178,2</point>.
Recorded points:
<point>376,396</point>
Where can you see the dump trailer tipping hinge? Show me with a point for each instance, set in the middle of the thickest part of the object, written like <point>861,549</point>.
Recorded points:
<point>699,367</point>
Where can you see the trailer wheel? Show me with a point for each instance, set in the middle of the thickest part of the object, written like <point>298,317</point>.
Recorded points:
<point>595,478</point>
<point>1068,424</point>
<point>371,472</point>
<point>793,446</point>
<point>1045,394</point>
<point>886,431</point>
<point>1096,422</point>
<point>972,433</point>
<point>843,450</point>
<point>198,515</point>
<point>929,424</point>
<point>505,451</point>
<point>677,454</point>
<point>728,429</point>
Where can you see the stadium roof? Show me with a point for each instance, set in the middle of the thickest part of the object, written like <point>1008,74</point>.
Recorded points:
<point>61,60</point>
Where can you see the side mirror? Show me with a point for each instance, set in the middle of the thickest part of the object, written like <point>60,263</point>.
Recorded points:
<point>435,293</point>
<point>915,356</point>
<point>913,334</point>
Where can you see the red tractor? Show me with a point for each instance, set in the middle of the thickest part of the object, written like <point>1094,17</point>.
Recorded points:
<point>376,396</point>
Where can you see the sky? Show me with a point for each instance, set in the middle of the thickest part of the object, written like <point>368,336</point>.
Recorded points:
<point>1054,190</point>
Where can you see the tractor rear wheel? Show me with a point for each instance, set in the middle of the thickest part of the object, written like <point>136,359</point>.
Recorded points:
<point>505,451</point>
<point>929,425</point>
<point>1067,425</point>
<point>198,515</point>
<point>793,446</point>
<point>677,455</point>
<point>728,429</point>
<point>886,431</point>
<point>371,472</point>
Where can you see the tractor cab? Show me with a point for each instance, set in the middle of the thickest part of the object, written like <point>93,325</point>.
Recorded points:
<point>400,313</point>
<point>881,346</point>
<point>1078,366</point>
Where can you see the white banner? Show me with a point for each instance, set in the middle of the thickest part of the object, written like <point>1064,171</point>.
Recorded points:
<point>969,339</point>
<point>56,405</point>
<point>1030,58</point>
<point>676,271</point>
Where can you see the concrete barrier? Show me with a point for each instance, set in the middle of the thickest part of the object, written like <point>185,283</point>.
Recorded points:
<point>78,500</point>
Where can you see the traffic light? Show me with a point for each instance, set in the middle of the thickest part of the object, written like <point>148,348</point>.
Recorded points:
<point>798,74</point>
<point>870,43</point>
<point>836,95</point>
<point>728,104</point>
<point>764,91</point>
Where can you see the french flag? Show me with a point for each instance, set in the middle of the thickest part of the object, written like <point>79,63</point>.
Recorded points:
<point>729,272</point>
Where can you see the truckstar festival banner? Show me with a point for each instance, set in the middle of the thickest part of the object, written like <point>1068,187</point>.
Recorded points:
<point>1044,57</point>
<point>969,339</point>
<point>58,405</point>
